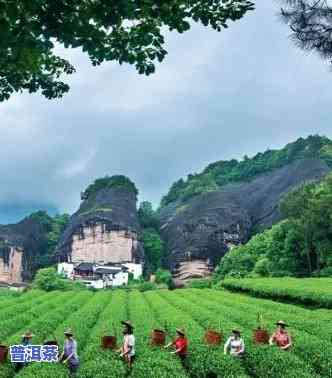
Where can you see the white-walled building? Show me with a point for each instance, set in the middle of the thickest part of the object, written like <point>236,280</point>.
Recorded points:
<point>101,276</point>
<point>113,276</point>
<point>66,269</point>
<point>135,269</point>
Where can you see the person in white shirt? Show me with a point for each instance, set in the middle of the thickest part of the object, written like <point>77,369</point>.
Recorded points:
<point>128,347</point>
<point>235,344</point>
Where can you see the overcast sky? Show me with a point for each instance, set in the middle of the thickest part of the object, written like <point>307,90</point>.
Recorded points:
<point>216,96</point>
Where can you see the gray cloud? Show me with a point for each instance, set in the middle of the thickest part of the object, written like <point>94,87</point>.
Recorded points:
<point>217,96</point>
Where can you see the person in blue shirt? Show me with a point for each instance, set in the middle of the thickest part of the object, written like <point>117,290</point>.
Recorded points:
<point>69,355</point>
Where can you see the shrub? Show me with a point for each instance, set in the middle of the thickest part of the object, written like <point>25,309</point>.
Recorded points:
<point>326,272</point>
<point>145,286</point>
<point>200,284</point>
<point>163,276</point>
<point>262,267</point>
<point>48,279</point>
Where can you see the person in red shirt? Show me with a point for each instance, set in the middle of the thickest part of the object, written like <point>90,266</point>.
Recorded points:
<point>180,344</point>
<point>280,337</point>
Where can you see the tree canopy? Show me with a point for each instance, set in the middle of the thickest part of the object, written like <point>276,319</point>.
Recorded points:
<point>130,31</point>
<point>310,22</point>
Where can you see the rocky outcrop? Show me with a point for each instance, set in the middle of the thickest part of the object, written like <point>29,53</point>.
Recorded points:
<point>21,246</point>
<point>11,266</point>
<point>198,232</point>
<point>104,229</point>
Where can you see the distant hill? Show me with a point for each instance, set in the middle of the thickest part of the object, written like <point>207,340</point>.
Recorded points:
<point>13,213</point>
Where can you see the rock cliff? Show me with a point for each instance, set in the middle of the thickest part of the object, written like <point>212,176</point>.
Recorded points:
<point>21,246</point>
<point>105,228</point>
<point>199,231</point>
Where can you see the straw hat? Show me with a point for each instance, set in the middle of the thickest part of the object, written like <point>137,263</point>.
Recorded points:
<point>28,335</point>
<point>127,323</point>
<point>282,323</point>
<point>180,331</point>
<point>69,331</point>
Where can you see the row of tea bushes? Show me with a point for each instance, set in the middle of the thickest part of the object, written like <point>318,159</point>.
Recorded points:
<point>312,348</point>
<point>152,361</point>
<point>259,359</point>
<point>307,291</point>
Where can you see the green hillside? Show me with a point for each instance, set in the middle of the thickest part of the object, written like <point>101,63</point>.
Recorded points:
<point>222,172</point>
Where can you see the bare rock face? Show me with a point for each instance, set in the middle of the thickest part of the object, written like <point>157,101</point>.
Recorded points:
<point>198,232</point>
<point>21,245</point>
<point>11,266</point>
<point>104,229</point>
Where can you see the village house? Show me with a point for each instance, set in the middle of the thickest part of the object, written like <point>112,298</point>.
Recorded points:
<point>100,276</point>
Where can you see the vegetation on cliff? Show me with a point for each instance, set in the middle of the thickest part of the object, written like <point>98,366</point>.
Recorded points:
<point>117,181</point>
<point>300,244</point>
<point>221,173</point>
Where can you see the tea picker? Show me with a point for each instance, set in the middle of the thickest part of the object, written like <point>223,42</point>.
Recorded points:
<point>69,356</point>
<point>127,350</point>
<point>235,344</point>
<point>180,344</point>
<point>280,337</point>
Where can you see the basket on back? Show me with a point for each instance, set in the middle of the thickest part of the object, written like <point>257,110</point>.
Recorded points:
<point>260,334</point>
<point>213,336</point>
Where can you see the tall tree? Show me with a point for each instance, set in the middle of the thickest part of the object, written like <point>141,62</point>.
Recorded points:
<point>130,31</point>
<point>147,216</point>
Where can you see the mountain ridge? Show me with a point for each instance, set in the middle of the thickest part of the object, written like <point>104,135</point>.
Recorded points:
<point>203,217</point>
<point>221,173</point>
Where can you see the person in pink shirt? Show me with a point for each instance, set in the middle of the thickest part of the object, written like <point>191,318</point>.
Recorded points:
<point>280,337</point>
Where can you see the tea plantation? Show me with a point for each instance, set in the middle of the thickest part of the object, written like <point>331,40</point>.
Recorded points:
<point>92,315</point>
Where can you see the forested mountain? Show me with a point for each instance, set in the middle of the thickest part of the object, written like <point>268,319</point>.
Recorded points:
<point>204,216</point>
<point>220,173</point>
